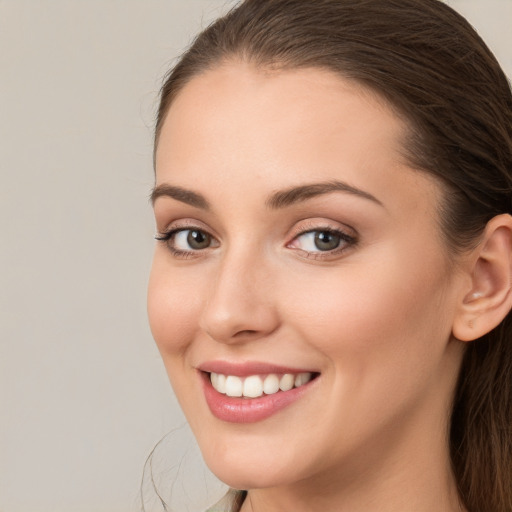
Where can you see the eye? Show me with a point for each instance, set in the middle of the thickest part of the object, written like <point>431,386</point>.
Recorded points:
<point>187,241</point>
<point>194,239</point>
<point>318,241</point>
<point>328,241</point>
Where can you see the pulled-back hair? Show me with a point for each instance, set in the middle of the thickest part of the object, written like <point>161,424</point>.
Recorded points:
<point>437,74</point>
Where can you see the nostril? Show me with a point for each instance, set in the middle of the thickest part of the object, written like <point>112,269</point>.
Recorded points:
<point>247,332</point>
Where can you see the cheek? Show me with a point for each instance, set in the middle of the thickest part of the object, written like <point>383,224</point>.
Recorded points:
<point>173,307</point>
<point>374,320</point>
<point>382,331</point>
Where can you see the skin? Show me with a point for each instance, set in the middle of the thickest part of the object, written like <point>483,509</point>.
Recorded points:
<point>374,318</point>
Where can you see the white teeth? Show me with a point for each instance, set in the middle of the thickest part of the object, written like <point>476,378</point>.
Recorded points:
<point>221,383</point>
<point>254,386</point>
<point>218,382</point>
<point>287,381</point>
<point>302,378</point>
<point>233,386</point>
<point>271,384</point>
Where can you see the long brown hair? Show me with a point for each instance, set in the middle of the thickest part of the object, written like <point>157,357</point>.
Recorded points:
<point>437,73</point>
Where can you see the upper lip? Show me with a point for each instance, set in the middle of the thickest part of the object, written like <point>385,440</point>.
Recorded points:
<point>244,369</point>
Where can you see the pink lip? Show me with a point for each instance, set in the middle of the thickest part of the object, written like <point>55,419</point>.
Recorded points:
<point>249,410</point>
<point>248,368</point>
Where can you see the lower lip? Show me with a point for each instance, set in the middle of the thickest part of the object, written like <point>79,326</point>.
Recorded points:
<point>249,410</point>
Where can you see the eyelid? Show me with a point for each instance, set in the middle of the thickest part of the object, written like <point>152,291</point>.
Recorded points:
<point>167,235</point>
<point>188,223</point>
<point>322,224</point>
<point>349,238</point>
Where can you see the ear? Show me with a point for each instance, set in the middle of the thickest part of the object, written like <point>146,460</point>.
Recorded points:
<point>489,298</point>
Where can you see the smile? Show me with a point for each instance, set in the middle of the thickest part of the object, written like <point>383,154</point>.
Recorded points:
<point>255,386</point>
<point>253,392</point>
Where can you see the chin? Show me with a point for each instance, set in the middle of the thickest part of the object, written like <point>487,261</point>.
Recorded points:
<point>256,469</point>
<point>248,477</point>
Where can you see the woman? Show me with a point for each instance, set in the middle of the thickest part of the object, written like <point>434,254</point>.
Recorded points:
<point>330,290</point>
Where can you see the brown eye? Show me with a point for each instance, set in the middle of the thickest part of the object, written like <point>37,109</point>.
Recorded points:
<point>183,241</point>
<point>197,240</point>
<point>322,243</point>
<point>326,240</point>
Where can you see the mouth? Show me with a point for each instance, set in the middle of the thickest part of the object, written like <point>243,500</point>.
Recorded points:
<point>256,386</point>
<point>241,396</point>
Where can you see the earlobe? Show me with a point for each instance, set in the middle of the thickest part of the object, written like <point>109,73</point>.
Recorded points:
<point>490,296</point>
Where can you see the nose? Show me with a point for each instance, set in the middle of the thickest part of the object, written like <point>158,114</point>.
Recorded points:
<point>240,306</point>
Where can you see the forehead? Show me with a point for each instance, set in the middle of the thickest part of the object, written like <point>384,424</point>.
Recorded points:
<point>283,128</point>
<point>236,99</point>
<point>275,95</point>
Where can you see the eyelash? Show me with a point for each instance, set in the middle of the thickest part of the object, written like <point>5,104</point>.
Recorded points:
<point>346,242</point>
<point>168,237</point>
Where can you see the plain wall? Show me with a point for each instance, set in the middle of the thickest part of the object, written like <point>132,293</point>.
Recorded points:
<point>83,393</point>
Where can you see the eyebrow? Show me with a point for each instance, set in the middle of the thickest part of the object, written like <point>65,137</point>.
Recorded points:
<point>180,194</point>
<point>284,198</point>
<point>277,200</point>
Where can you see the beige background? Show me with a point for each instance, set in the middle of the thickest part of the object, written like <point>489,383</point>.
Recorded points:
<point>83,394</point>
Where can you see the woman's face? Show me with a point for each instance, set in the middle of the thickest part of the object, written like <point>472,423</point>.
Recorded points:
<point>299,242</point>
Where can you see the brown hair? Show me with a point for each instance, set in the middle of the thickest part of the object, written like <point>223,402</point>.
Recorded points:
<point>433,68</point>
